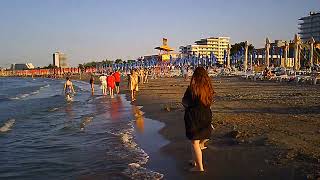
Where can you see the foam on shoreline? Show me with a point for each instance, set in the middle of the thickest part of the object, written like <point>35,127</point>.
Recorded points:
<point>7,125</point>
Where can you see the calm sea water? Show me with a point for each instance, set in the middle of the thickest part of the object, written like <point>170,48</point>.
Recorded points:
<point>44,137</point>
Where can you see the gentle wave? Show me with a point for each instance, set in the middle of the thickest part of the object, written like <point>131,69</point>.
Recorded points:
<point>45,86</point>
<point>135,169</point>
<point>22,96</point>
<point>7,126</point>
<point>53,109</point>
<point>85,121</point>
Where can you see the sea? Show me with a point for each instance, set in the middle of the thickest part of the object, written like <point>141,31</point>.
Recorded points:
<point>44,136</point>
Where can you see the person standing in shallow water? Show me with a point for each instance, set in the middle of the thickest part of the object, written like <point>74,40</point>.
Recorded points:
<point>103,80</point>
<point>198,116</point>
<point>68,89</point>
<point>111,84</point>
<point>117,79</point>
<point>92,84</point>
<point>133,84</point>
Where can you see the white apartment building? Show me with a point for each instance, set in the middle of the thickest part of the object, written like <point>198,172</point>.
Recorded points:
<point>205,47</point>
<point>310,27</point>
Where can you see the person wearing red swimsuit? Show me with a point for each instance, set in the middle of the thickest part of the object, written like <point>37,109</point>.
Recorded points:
<point>111,84</point>
<point>117,80</point>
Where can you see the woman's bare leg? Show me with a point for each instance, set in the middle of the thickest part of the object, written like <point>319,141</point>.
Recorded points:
<point>134,94</point>
<point>198,155</point>
<point>132,98</point>
<point>111,92</point>
<point>202,143</point>
<point>193,158</point>
<point>92,89</point>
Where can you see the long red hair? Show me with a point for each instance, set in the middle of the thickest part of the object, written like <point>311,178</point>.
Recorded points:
<point>201,87</point>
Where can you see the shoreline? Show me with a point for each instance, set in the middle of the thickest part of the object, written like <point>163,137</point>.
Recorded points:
<point>276,158</point>
<point>158,162</point>
<point>246,143</point>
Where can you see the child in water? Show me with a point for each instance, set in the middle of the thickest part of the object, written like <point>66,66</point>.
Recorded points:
<point>68,89</point>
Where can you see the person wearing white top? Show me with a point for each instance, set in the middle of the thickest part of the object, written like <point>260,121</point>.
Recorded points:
<point>103,80</point>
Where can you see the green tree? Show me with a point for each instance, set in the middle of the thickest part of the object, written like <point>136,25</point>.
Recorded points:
<point>90,64</point>
<point>81,67</point>
<point>118,61</point>
<point>237,46</point>
<point>131,61</point>
<point>50,66</point>
<point>106,62</point>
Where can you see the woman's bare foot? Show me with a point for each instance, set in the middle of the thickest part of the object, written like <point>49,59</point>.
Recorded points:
<point>196,169</point>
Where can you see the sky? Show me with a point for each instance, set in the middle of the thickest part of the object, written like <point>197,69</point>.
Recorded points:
<point>95,30</point>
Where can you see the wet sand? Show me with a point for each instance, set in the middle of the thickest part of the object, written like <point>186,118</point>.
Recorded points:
<point>146,136</point>
<point>264,130</point>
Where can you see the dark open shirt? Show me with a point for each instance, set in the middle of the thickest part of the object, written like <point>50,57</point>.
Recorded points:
<point>197,117</point>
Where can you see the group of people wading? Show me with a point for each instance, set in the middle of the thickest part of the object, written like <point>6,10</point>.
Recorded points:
<point>110,82</point>
<point>197,101</point>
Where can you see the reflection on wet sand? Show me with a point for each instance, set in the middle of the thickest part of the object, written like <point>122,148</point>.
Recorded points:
<point>116,105</point>
<point>69,111</point>
<point>138,114</point>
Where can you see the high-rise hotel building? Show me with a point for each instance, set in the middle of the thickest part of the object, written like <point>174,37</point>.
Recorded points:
<point>204,47</point>
<point>59,60</point>
<point>310,27</point>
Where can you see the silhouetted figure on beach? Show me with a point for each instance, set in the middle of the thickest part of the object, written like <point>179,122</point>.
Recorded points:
<point>92,84</point>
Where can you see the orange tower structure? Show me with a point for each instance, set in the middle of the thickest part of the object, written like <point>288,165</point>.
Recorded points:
<point>164,50</point>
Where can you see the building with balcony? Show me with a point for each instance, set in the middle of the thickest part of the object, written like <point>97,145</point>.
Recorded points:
<point>309,26</point>
<point>204,47</point>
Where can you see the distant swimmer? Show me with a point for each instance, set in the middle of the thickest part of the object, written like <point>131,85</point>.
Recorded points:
<point>68,89</point>
<point>92,84</point>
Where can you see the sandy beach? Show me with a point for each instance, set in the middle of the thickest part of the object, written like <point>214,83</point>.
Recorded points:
<point>263,130</point>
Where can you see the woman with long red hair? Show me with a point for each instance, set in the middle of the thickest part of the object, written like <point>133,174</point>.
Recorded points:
<point>198,116</point>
